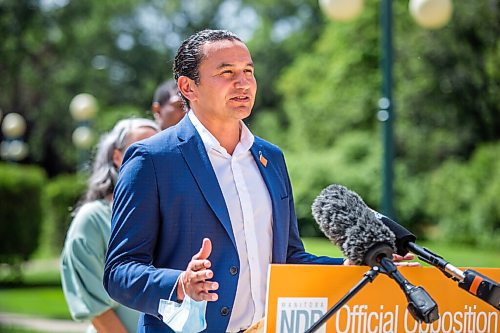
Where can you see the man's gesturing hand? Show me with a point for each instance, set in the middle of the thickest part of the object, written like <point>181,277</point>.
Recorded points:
<point>197,274</point>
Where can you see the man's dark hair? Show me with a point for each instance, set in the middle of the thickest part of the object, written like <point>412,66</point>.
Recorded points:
<point>189,55</point>
<point>164,92</point>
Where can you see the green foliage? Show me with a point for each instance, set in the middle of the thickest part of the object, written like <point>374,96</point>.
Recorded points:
<point>21,211</point>
<point>409,200</point>
<point>62,194</point>
<point>319,83</point>
<point>448,86</point>
<point>332,89</point>
<point>286,29</point>
<point>268,125</point>
<point>352,162</point>
<point>107,120</point>
<point>119,52</point>
<point>446,100</point>
<point>463,198</point>
<point>51,51</point>
<point>445,81</point>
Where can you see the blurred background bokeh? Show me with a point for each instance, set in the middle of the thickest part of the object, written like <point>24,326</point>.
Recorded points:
<point>69,69</point>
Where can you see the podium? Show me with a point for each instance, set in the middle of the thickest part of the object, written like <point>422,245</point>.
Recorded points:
<point>298,295</point>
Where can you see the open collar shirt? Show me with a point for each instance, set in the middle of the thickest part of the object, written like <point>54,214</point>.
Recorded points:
<point>250,210</point>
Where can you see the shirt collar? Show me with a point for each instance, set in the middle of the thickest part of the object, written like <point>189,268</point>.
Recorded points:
<point>210,142</point>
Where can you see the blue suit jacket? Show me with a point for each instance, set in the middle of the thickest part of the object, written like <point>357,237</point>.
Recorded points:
<point>166,201</point>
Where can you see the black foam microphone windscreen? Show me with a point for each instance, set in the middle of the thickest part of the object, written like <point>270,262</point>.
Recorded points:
<point>346,220</point>
<point>350,224</point>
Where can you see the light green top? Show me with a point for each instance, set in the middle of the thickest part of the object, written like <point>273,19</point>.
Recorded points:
<point>82,266</point>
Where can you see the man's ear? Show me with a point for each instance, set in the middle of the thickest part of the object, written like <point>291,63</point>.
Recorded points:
<point>187,87</point>
<point>117,158</point>
<point>155,107</point>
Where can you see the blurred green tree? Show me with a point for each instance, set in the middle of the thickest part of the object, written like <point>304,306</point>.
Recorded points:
<point>447,83</point>
<point>448,86</point>
<point>319,81</point>
<point>447,97</point>
<point>52,50</point>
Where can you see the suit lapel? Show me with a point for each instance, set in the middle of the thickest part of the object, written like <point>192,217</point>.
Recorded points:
<point>196,157</point>
<point>272,175</point>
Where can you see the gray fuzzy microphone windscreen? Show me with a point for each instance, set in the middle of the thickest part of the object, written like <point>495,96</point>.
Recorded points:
<point>348,222</point>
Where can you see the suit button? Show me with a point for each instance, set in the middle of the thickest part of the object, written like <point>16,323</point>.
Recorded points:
<point>233,270</point>
<point>224,311</point>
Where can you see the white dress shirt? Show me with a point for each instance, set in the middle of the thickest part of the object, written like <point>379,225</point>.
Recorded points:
<point>250,210</point>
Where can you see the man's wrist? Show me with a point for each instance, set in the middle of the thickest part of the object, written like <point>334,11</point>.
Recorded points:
<point>180,288</point>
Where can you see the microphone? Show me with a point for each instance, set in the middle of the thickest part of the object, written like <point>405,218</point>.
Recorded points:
<point>403,235</point>
<point>471,281</point>
<point>344,218</point>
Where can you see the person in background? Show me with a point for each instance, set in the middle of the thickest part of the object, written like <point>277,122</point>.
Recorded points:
<point>167,105</point>
<point>82,258</point>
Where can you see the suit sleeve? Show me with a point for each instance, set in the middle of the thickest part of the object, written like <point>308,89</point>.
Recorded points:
<point>296,253</point>
<point>129,276</point>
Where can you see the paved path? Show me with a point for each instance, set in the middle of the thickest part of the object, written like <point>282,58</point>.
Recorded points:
<point>41,324</point>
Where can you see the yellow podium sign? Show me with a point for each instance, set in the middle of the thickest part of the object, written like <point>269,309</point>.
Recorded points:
<point>298,295</point>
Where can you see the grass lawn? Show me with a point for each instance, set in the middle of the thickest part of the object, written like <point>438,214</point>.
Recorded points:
<point>457,255</point>
<point>45,302</point>
<point>38,294</point>
<point>5,329</point>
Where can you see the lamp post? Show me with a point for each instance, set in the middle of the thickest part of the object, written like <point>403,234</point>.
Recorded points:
<point>430,14</point>
<point>13,148</point>
<point>83,109</point>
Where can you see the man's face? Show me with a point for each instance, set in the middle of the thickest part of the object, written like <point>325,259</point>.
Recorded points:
<point>170,113</point>
<point>227,86</point>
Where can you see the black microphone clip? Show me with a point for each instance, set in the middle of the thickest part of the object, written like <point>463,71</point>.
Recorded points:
<point>420,304</point>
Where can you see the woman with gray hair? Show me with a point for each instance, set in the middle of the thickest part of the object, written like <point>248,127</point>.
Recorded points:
<point>82,258</point>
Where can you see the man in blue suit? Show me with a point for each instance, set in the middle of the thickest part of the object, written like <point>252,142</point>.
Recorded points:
<point>206,182</point>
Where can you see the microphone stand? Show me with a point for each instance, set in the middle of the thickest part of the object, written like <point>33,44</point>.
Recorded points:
<point>471,281</point>
<point>420,304</point>
<point>367,277</point>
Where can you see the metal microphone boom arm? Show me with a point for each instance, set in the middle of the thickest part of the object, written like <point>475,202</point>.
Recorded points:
<point>470,280</point>
<point>473,282</point>
<point>420,304</point>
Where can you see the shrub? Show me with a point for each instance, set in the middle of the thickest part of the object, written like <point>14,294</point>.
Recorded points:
<point>463,198</point>
<point>410,193</point>
<point>353,162</point>
<point>21,211</point>
<point>62,194</point>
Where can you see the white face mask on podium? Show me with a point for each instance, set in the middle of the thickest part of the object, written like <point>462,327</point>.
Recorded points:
<point>185,317</point>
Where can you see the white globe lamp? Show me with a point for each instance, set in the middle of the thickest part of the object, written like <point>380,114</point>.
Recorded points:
<point>17,150</point>
<point>83,107</point>
<point>83,137</point>
<point>341,10</point>
<point>431,14</point>
<point>13,126</point>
